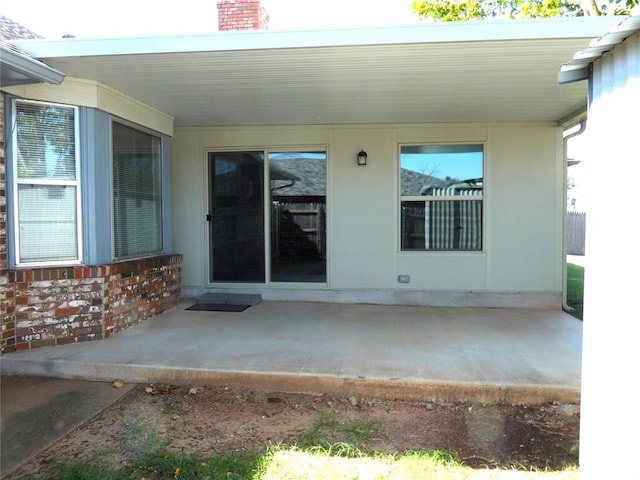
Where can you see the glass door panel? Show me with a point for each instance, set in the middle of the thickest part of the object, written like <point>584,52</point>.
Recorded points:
<point>298,186</point>
<point>236,217</point>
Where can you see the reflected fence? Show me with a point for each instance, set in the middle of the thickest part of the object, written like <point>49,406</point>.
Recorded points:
<point>298,229</point>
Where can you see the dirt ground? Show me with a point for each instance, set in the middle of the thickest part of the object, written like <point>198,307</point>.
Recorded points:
<point>209,420</point>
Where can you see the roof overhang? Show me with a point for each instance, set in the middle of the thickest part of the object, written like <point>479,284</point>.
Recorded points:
<point>579,67</point>
<point>17,68</point>
<point>492,71</point>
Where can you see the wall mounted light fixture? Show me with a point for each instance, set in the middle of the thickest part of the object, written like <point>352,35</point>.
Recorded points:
<point>362,158</point>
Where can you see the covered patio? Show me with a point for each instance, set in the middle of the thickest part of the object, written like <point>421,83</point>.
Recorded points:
<point>525,356</point>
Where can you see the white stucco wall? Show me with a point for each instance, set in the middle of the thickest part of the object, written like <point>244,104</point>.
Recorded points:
<point>361,239</point>
<point>525,209</point>
<point>524,183</point>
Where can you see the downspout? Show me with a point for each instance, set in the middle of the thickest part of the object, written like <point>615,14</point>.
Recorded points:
<point>580,131</point>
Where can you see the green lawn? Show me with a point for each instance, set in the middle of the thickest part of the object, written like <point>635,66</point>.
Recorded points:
<point>575,289</point>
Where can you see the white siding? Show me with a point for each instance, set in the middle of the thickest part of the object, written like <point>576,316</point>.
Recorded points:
<point>611,322</point>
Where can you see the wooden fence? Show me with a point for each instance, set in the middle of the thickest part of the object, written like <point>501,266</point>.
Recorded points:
<point>576,232</point>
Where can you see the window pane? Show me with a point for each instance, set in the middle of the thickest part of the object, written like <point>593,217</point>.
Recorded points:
<point>425,167</point>
<point>47,219</point>
<point>137,195</point>
<point>413,230</point>
<point>298,185</point>
<point>441,225</point>
<point>46,141</point>
<point>437,173</point>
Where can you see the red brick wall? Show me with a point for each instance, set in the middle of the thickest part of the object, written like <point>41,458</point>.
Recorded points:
<point>241,15</point>
<point>140,289</point>
<point>55,306</point>
<point>7,297</point>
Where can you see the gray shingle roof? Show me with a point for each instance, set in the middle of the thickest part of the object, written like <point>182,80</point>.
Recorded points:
<point>413,183</point>
<point>10,30</point>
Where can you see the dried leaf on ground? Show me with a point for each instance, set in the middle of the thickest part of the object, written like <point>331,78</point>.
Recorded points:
<point>152,390</point>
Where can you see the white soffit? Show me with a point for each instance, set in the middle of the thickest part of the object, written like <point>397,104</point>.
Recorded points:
<point>462,72</point>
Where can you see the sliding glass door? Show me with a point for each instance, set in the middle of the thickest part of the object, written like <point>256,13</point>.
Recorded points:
<point>290,231</point>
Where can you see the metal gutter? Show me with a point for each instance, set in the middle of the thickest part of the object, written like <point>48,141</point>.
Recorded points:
<point>17,68</point>
<point>579,67</point>
<point>583,126</point>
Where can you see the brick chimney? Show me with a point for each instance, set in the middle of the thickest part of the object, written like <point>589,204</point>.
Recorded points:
<point>241,15</point>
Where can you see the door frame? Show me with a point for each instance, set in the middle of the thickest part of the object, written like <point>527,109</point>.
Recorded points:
<point>267,218</point>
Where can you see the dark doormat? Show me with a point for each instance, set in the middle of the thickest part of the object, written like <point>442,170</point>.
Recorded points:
<point>218,307</point>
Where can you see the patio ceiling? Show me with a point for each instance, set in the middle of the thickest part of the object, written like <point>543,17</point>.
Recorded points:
<point>474,72</point>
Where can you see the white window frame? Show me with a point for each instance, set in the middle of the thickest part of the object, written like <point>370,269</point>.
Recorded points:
<point>16,181</point>
<point>440,198</point>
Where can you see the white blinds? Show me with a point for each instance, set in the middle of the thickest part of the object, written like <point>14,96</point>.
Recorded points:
<point>137,192</point>
<point>47,222</point>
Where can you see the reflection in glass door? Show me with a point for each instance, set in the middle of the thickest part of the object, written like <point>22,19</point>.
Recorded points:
<point>236,217</point>
<point>298,186</point>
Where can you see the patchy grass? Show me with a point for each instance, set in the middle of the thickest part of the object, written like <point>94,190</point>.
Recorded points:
<point>143,439</point>
<point>327,430</point>
<point>173,465</point>
<point>330,464</point>
<point>168,465</point>
<point>330,449</point>
<point>337,462</point>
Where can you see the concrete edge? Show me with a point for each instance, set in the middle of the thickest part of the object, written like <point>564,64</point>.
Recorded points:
<point>403,297</point>
<point>384,388</point>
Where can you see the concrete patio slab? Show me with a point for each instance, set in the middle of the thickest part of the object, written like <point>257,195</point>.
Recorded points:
<point>422,353</point>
